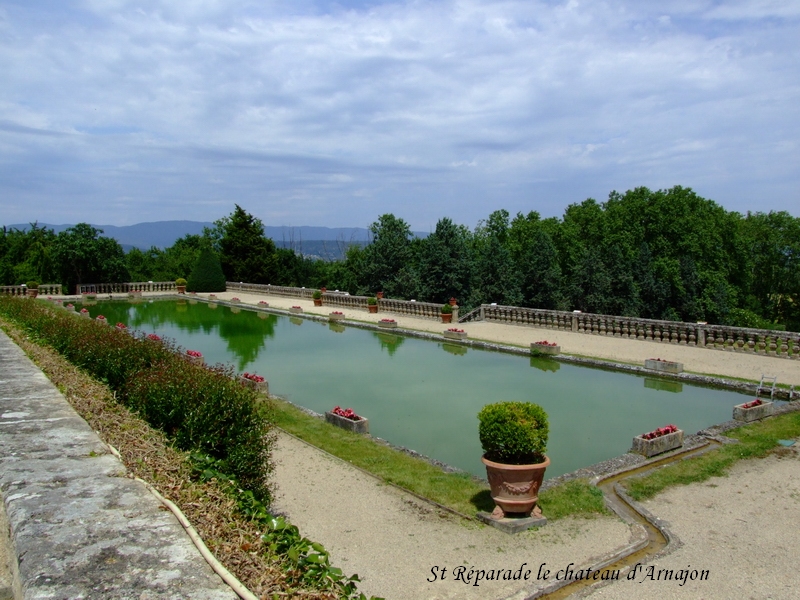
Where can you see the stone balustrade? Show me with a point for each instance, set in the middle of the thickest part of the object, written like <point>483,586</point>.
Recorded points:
<point>784,344</point>
<point>122,288</point>
<point>45,289</point>
<point>422,310</point>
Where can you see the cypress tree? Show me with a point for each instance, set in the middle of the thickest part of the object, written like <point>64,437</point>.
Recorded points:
<point>207,275</point>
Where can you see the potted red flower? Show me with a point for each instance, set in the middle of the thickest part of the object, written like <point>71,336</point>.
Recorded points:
<point>256,382</point>
<point>753,410</point>
<point>658,441</point>
<point>545,347</point>
<point>346,418</point>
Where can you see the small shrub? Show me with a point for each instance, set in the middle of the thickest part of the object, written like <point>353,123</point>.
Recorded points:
<point>180,281</point>
<point>513,432</point>
<point>316,295</point>
<point>447,309</point>
<point>372,301</point>
<point>34,285</point>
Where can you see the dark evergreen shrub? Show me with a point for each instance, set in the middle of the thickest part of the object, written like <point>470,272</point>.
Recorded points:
<point>513,432</point>
<point>207,275</point>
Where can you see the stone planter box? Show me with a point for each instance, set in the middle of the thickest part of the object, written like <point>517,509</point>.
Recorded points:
<point>658,445</point>
<point>388,324</point>
<point>543,349</point>
<point>234,301</point>
<point>336,316</point>
<point>296,310</point>
<point>260,387</point>
<point>663,366</point>
<point>196,360</point>
<point>69,307</point>
<point>85,315</point>
<point>740,413</point>
<point>360,426</point>
<point>263,304</point>
<point>102,321</point>
<point>455,335</point>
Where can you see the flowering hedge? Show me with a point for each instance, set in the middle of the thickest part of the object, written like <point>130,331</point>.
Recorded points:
<point>200,408</point>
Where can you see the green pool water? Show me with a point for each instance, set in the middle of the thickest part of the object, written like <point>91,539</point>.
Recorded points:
<point>425,395</point>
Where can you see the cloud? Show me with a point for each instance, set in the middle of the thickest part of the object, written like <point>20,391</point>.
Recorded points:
<point>345,110</point>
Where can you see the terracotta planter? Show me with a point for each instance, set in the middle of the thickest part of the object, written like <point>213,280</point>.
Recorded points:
<point>379,295</point>
<point>543,349</point>
<point>447,317</point>
<point>373,308</point>
<point>33,292</point>
<point>452,301</point>
<point>514,488</point>
<point>659,445</point>
<point>663,366</point>
<point>317,301</point>
<point>360,426</point>
<point>746,415</point>
<point>181,289</point>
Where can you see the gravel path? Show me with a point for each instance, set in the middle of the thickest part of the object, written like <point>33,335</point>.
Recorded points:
<point>741,529</point>
<point>392,539</point>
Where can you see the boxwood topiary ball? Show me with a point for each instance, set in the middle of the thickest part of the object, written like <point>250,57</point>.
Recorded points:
<point>513,432</point>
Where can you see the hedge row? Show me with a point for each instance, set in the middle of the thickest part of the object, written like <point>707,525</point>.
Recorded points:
<point>201,408</point>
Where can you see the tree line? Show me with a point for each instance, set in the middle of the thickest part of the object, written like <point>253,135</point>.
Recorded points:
<point>666,254</point>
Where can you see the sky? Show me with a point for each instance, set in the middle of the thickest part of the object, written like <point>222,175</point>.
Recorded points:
<point>314,112</point>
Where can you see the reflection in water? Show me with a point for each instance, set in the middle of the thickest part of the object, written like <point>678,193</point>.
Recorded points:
<point>545,364</point>
<point>454,349</point>
<point>389,342</point>
<point>295,320</point>
<point>235,310</point>
<point>212,305</point>
<point>336,328</point>
<point>244,334</point>
<point>662,385</point>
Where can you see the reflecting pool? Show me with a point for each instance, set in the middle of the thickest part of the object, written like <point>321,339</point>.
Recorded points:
<point>425,395</point>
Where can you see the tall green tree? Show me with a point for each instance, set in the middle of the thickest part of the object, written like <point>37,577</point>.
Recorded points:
<point>388,260</point>
<point>245,253</point>
<point>445,263</point>
<point>82,255</point>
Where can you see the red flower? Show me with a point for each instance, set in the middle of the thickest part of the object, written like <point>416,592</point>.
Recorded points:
<point>754,403</point>
<point>121,326</point>
<point>194,353</point>
<point>347,413</point>
<point>154,337</point>
<point>253,377</point>
<point>659,432</point>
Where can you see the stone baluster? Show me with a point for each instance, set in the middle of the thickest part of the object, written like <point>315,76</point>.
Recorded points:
<point>784,347</point>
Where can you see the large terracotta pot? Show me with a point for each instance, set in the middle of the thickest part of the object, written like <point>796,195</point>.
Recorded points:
<point>447,317</point>
<point>515,488</point>
<point>373,308</point>
<point>317,301</point>
<point>181,289</point>
<point>33,292</point>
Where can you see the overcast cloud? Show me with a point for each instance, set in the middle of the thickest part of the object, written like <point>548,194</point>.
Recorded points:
<point>331,113</point>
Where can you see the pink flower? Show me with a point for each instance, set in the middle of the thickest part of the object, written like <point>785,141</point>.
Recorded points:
<point>154,337</point>
<point>253,377</point>
<point>754,403</point>
<point>456,330</point>
<point>194,353</point>
<point>121,326</point>
<point>545,343</point>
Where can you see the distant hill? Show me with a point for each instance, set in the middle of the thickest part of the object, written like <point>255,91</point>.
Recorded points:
<point>322,242</point>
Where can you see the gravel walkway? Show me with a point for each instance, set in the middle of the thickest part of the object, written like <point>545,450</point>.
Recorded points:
<point>740,529</point>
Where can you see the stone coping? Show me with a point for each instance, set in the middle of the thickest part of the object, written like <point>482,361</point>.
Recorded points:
<point>80,527</point>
